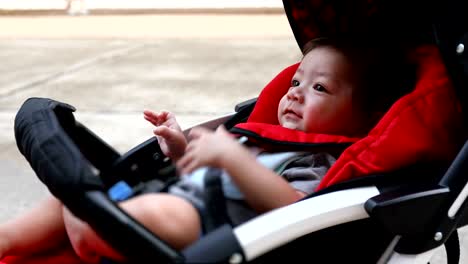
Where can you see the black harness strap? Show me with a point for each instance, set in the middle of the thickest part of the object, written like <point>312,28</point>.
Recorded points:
<point>215,201</point>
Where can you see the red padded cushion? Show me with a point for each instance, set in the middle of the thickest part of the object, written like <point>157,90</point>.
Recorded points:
<point>264,121</point>
<point>422,126</point>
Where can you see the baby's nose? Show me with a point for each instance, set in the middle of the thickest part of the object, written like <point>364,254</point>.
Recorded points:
<point>295,94</point>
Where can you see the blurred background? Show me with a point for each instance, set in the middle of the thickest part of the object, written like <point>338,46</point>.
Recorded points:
<point>113,59</point>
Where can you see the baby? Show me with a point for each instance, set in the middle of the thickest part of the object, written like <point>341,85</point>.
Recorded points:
<point>335,90</point>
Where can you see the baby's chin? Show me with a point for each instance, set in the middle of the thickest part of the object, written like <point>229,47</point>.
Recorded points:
<point>290,125</point>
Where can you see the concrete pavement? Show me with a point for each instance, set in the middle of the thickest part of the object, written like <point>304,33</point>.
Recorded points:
<point>113,67</point>
<point>148,26</point>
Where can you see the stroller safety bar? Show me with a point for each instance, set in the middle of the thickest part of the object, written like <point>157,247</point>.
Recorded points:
<point>462,197</point>
<point>229,120</point>
<point>212,124</point>
<point>280,226</point>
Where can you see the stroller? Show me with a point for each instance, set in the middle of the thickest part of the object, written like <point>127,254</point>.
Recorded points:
<point>395,196</point>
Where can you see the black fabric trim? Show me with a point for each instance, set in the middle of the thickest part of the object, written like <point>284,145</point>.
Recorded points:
<point>420,175</point>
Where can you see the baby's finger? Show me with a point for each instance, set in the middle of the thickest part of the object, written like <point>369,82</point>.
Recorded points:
<point>197,132</point>
<point>189,165</point>
<point>183,162</point>
<point>159,117</point>
<point>189,168</point>
<point>150,114</point>
<point>164,132</point>
<point>163,115</point>
<point>160,139</point>
<point>192,146</point>
<point>152,118</point>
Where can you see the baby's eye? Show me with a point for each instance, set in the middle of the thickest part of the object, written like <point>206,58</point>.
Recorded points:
<point>295,83</point>
<point>320,88</point>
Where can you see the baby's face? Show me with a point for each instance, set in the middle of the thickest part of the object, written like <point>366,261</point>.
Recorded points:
<point>320,99</point>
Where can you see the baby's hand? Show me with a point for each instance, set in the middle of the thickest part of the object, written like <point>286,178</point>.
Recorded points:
<point>168,132</point>
<point>207,148</point>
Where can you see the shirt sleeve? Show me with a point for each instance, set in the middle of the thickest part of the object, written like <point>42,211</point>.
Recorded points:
<point>306,172</point>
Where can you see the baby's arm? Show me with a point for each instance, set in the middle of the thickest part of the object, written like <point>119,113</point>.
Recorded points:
<point>263,189</point>
<point>168,132</point>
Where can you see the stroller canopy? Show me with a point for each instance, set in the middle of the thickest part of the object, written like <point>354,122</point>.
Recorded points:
<point>392,21</point>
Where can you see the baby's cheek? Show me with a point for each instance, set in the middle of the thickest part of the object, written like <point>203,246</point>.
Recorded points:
<point>280,109</point>
<point>311,122</point>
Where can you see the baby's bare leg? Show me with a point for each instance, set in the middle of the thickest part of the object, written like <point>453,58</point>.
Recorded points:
<point>37,230</point>
<point>170,217</point>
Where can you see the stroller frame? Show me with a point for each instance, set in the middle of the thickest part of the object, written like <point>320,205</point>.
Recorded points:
<point>412,239</point>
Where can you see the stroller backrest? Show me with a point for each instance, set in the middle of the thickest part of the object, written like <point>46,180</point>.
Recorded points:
<point>421,127</point>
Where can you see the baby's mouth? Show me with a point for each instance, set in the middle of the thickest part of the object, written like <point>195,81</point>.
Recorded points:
<point>291,113</point>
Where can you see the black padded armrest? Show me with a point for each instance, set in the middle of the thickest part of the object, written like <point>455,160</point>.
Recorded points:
<point>52,155</point>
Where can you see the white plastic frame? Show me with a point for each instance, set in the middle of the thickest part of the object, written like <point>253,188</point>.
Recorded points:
<point>282,225</point>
